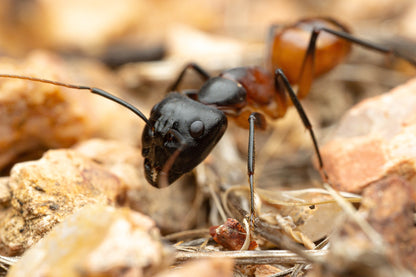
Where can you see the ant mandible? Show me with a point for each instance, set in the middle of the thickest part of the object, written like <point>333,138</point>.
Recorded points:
<point>183,128</point>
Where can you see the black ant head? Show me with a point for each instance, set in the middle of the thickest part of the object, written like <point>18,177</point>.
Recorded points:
<point>182,132</point>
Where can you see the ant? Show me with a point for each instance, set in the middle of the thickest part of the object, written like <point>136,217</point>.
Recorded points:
<point>184,127</point>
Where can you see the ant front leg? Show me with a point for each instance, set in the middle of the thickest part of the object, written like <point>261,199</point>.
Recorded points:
<point>254,120</point>
<point>279,77</point>
<point>204,75</point>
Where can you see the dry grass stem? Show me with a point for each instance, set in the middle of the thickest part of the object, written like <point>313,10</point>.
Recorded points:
<point>254,257</point>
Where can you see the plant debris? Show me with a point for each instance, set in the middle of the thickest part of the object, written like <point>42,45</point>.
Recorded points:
<point>231,235</point>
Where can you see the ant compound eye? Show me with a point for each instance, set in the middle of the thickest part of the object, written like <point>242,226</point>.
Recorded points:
<point>196,129</point>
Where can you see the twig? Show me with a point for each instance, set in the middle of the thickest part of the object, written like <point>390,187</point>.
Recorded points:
<point>217,202</point>
<point>283,272</point>
<point>297,269</point>
<point>247,241</point>
<point>8,260</point>
<point>188,234</point>
<point>272,234</point>
<point>372,234</point>
<point>254,257</point>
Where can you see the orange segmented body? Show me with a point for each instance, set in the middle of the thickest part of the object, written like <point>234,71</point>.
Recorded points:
<point>289,46</point>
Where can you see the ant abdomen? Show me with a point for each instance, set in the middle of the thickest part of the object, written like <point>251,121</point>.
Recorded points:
<point>289,46</point>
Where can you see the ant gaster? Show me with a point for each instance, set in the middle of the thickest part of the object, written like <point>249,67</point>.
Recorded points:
<point>183,128</point>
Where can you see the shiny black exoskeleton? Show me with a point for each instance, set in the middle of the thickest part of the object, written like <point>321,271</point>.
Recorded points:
<point>180,124</point>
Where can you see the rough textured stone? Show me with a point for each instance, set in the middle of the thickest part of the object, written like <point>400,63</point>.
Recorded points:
<point>123,160</point>
<point>388,205</point>
<point>375,138</point>
<point>44,192</point>
<point>162,205</point>
<point>98,241</point>
<point>5,193</point>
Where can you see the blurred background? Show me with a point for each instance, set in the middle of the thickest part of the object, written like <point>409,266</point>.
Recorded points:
<point>145,43</point>
<point>93,26</point>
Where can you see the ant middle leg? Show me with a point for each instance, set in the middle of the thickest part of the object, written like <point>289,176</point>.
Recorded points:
<point>198,69</point>
<point>255,119</point>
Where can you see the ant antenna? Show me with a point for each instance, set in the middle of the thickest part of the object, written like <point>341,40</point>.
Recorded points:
<point>91,89</point>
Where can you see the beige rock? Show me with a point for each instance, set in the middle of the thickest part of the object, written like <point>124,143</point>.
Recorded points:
<point>96,171</point>
<point>388,205</point>
<point>121,159</point>
<point>5,193</point>
<point>44,192</point>
<point>173,208</point>
<point>375,138</point>
<point>98,241</point>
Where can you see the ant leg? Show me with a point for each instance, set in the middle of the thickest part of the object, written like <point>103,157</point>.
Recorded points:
<point>205,76</point>
<point>254,120</point>
<point>191,93</point>
<point>370,45</point>
<point>280,76</point>
<point>307,69</point>
<point>306,73</point>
